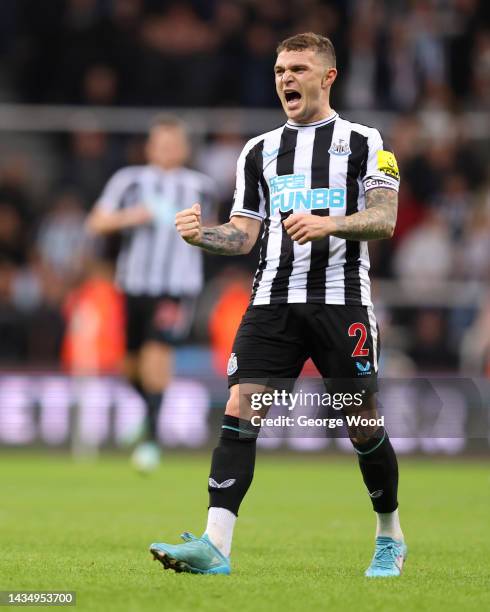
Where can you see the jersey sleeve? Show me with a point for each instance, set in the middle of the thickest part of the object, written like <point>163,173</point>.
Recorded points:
<point>249,200</point>
<point>381,167</point>
<point>111,197</point>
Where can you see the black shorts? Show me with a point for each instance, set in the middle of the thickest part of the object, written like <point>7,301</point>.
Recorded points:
<point>274,341</point>
<point>164,319</point>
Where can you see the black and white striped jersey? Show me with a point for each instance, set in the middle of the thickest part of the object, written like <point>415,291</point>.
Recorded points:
<point>154,260</point>
<point>322,168</point>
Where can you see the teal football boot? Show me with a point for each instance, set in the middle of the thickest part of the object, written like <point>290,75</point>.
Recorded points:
<point>196,556</point>
<point>389,556</point>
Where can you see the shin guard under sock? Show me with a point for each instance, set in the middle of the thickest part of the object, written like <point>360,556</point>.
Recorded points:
<point>379,468</point>
<point>233,463</point>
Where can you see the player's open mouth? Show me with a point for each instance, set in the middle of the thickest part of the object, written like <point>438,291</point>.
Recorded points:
<point>293,99</point>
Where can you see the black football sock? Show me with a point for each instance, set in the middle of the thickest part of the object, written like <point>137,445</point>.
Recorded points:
<point>153,404</point>
<point>379,468</point>
<point>233,463</point>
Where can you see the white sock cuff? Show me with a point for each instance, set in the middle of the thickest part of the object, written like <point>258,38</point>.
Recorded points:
<point>219,529</point>
<point>221,513</point>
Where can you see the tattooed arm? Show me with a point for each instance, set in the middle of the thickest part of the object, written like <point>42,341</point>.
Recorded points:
<point>377,221</point>
<point>234,238</point>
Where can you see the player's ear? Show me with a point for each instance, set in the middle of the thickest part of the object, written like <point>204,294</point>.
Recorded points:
<point>329,77</point>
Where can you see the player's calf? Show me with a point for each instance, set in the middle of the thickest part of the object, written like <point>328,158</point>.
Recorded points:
<point>379,468</point>
<point>231,475</point>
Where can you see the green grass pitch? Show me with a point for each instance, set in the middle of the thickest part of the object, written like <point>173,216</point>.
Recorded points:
<point>303,539</point>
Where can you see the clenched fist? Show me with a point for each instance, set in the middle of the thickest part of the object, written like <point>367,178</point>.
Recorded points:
<point>304,228</point>
<point>188,224</point>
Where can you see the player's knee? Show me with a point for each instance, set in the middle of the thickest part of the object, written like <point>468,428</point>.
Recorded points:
<point>366,428</point>
<point>360,439</point>
<point>155,366</point>
<point>366,441</point>
<point>363,434</point>
<point>152,382</point>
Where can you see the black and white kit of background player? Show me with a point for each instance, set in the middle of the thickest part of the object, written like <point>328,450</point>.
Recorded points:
<point>319,187</point>
<point>159,274</point>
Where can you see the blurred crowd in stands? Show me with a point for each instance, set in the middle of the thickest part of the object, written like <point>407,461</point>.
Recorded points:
<point>405,57</point>
<point>395,54</point>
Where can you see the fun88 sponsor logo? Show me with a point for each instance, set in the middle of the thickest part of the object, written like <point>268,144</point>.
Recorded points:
<point>288,193</point>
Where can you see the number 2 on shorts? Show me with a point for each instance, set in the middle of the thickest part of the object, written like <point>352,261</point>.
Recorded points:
<point>359,351</point>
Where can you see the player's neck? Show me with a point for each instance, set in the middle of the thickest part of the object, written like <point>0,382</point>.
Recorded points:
<point>323,116</point>
<point>165,168</point>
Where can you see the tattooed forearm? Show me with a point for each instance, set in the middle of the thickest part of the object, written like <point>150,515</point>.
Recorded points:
<point>377,221</point>
<point>225,239</point>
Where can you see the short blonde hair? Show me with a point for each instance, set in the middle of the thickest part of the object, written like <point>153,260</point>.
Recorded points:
<point>309,40</point>
<point>169,121</point>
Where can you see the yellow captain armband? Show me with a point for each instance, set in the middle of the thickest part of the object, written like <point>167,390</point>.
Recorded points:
<point>387,164</point>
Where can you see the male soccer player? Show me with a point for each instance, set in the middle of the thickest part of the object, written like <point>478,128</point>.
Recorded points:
<point>320,187</point>
<point>159,274</point>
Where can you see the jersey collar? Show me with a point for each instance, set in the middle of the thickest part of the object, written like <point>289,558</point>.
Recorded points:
<point>328,119</point>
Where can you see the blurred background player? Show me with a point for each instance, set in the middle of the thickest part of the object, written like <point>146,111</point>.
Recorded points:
<point>159,274</point>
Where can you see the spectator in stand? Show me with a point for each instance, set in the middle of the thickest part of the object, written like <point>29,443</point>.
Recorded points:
<point>425,254</point>
<point>230,26</point>
<point>15,174</point>
<point>176,44</point>
<point>218,159</point>
<point>475,348</point>
<point>89,163</point>
<point>12,329</point>
<point>100,86</point>
<point>45,324</point>
<point>400,67</point>
<point>455,201</point>
<point>13,234</point>
<point>62,242</point>
<point>473,262</point>
<point>428,347</point>
<point>256,88</point>
<point>122,49</point>
<point>360,85</point>
<point>480,98</point>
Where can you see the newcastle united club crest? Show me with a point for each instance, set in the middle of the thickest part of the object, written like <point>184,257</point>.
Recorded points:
<point>340,147</point>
